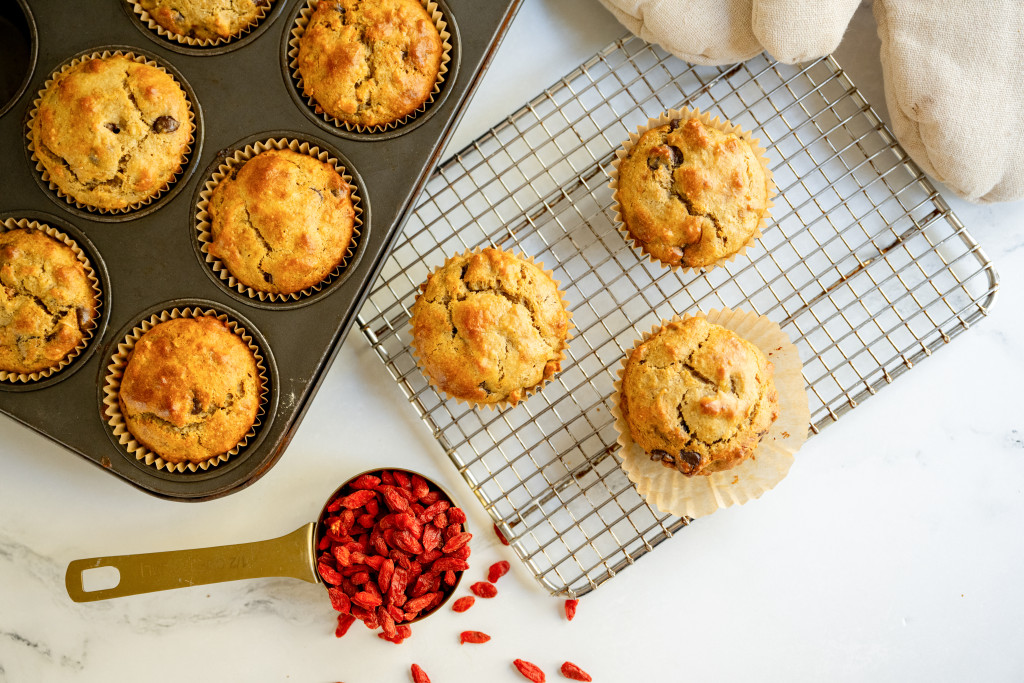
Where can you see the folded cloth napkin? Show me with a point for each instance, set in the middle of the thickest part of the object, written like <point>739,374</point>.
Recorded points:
<point>953,81</point>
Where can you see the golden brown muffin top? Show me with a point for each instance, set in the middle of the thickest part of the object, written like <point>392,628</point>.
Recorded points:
<point>46,301</point>
<point>205,19</point>
<point>370,63</point>
<point>190,390</point>
<point>691,194</point>
<point>697,397</point>
<point>112,132</point>
<point>487,326</point>
<point>283,222</point>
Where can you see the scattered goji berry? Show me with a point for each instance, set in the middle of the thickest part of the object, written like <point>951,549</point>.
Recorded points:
<point>530,671</point>
<point>344,621</point>
<point>501,536</point>
<point>463,603</point>
<point>497,570</point>
<point>473,637</point>
<point>570,609</point>
<point>339,601</point>
<point>483,589</point>
<point>418,675</point>
<point>574,673</point>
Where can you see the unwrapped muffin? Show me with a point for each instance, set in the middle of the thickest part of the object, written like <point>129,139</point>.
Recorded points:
<point>697,397</point>
<point>205,19</point>
<point>282,222</point>
<point>190,390</point>
<point>489,327</point>
<point>46,301</point>
<point>112,132</point>
<point>370,63</point>
<point>691,194</point>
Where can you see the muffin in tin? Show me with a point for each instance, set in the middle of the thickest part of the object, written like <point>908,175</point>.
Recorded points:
<point>697,397</point>
<point>46,301</point>
<point>489,327</point>
<point>205,19</point>
<point>370,63</point>
<point>691,194</point>
<point>191,389</point>
<point>282,222</point>
<point>112,132</point>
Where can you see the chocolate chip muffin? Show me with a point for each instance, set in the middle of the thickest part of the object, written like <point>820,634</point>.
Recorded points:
<point>47,302</point>
<point>691,194</point>
<point>370,63</point>
<point>282,222</point>
<point>488,327</point>
<point>697,397</point>
<point>190,390</point>
<point>112,132</point>
<point>205,19</point>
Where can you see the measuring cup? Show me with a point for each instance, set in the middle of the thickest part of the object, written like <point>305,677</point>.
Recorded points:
<point>293,555</point>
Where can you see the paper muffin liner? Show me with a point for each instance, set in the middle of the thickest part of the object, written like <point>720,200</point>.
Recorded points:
<point>297,31</point>
<point>675,493</point>
<point>726,127</point>
<point>88,330</point>
<point>150,23</point>
<point>115,372</point>
<point>30,130</point>
<point>527,391</point>
<point>205,229</point>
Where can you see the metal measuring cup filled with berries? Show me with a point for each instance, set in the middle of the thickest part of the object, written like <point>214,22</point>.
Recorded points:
<point>389,545</point>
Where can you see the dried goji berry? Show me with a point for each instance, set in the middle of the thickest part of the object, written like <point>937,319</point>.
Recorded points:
<point>404,631</point>
<point>570,609</point>
<point>428,556</point>
<point>450,564</point>
<point>386,571</point>
<point>366,481</point>
<point>460,554</point>
<point>387,477</point>
<point>387,623</point>
<point>431,537</point>
<point>457,541</point>
<point>329,574</point>
<point>420,603</point>
<point>361,577</point>
<point>574,673</point>
<point>375,562</point>
<point>397,640</point>
<point>456,516</point>
<point>441,519</point>
<point>339,601</point>
<point>342,554</point>
<point>407,542</point>
<point>497,570</point>
<point>418,675</point>
<point>394,499</point>
<point>530,671</point>
<point>324,543</point>
<point>433,510</point>
<point>450,578</point>
<point>344,621</point>
<point>463,603</point>
<point>357,500</point>
<point>367,600</point>
<point>473,637</point>
<point>399,581</point>
<point>431,497</point>
<point>501,536</point>
<point>396,614</point>
<point>419,487</point>
<point>483,589</point>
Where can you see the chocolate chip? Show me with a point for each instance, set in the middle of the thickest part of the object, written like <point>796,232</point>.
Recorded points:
<point>197,405</point>
<point>112,127</point>
<point>674,124</point>
<point>658,454</point>
<point>84,316</point>
<point>268,277</point>
<point>165,124</point>
<point>688,461</point>
<point>336,192</point>
<point>676,154</point>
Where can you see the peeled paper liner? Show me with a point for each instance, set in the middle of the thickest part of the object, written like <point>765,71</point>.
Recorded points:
<point>115,371</point>
<point>673,492</point>
<point>148,20</point>
<point>302,21</point>
<point>89,329</point>
<point>205,229</point>
<point>30,133</point>
<point>726,127</point>
<point>527,391</point>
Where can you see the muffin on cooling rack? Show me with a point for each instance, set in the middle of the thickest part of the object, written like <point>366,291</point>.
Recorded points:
<point>283,222</point>
<point>111,132</point>
<point>691,192</point>
<point>47,301</point>
<point>697,397</point>
<point>489,327</point>
<point>205,19</point>
<point>190,390</point>
<point>370,63</point>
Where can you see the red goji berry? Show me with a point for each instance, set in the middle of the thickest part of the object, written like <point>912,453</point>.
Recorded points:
<point>433,510</point>
<point>342,554</point>
<point>474,637</point>
<point>367,600</point>
<point>463,603</point>
<point>431,497</point>
<point>501,536</point>
<point>450,578</point>
<point>497,570</point>
<point>456,516</point>
<point>460,554</point>
<point>329,574</point>
<point>360,577</point>
<point>339,601</point>
<point>419,487</point>
<point>570,609</point>
<point>399,581</point>
<point>427,557</point>
<point>324,543</point>
<point>344,622</point>
<point>431,537</point>
<point>441,519</point>
<point>404,631</point>
<point>397,640</point>
<point>387,622</point>
<point>394,499</point>
<point>405,541</point>
<point>457,541</point>
<point>483,589</point>
<point>420,603</point>
<point>357,500</point>
<point>375,562</point>
<point>396,614</point>
<point>574,673</point>
<point>530,671</point>
<point>387,477</point>
<point>450,564</point>
<point>418,675</point>
<point>384,574</point>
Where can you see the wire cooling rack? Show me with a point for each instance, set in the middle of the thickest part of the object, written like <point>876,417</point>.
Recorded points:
<point>864,266</point>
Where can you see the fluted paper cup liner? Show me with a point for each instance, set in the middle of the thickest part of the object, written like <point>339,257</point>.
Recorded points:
<point>89,329</point>
<point>115,372</point>
<point>30,133</point>
<point>673,492</point>
<point>527,391</point>
<point>728,127</point>
<point>235,161</point>
<point>302,21</point>
<point>190,41</point>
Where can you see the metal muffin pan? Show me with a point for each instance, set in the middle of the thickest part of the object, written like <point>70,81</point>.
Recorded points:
<point>148,260</point>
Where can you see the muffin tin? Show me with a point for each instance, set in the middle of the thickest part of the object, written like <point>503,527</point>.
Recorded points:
<point>149,260</point>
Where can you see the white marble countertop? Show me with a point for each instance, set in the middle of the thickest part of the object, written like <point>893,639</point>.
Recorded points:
<point>889,553</point>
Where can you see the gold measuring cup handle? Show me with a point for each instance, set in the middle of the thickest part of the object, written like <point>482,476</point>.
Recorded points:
<point>290,556</point>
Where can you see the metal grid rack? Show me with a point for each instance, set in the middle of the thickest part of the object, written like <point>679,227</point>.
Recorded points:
<point>864,266</point>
